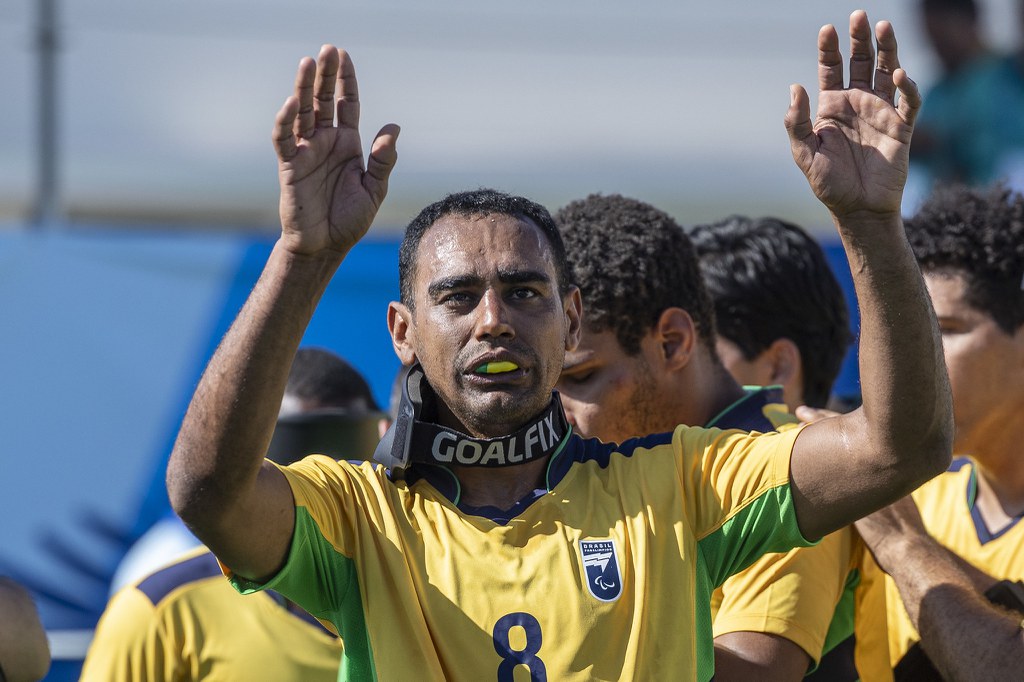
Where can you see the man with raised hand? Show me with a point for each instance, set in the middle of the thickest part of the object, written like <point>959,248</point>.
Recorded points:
<point>506,542</point>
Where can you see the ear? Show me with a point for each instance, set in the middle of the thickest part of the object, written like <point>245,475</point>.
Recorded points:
<point>403,333</point>
<point>785,362</point>
<point>573,305</point>
<point>677,336</point>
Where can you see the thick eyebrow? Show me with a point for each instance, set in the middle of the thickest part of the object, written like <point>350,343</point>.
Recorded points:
<point>523,277</point>
<point>439,286</point>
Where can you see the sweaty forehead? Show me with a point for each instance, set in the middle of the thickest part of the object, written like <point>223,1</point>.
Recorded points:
<point>478,245</point>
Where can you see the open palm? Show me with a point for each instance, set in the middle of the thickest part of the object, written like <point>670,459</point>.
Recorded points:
<point>328,197</point>
<point>855,154</point>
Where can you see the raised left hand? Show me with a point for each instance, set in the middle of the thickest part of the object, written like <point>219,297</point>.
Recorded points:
<point>856,152</point>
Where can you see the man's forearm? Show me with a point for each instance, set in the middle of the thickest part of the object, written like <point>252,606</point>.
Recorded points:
<point>231,418</point>
<point>903,373</point>
<point>965,636</point>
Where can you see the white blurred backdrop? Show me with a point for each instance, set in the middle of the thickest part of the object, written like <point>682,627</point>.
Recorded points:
<point>165,109</point>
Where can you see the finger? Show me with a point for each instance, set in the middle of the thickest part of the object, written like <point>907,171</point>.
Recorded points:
<point>383,156</point>
<point>305,124</point>
<point>910,96</point>
<point>809,414</point>
<point>348,99</point>
<point>830,61</point>
<point>862,51</point>
<point>284,139</point>
<point>802,140</point>
<point>323,86</point>
<point>888,61</point>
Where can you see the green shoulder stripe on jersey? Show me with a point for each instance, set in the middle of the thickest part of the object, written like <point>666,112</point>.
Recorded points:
<point>766,524</point>
<point>324,582</point>
<point>704,631</point>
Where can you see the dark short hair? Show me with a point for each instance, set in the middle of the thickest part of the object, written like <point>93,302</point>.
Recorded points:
<point>631,262</point>
<point>770,280</point>
<point>977,233</point>
<point>322,377</point>
<point>482,202</point>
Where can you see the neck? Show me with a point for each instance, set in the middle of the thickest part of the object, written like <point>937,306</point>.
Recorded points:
<point>715,390</point>
<point>1000,469</point>
<point>500,488</point>
<point>1000,490</point>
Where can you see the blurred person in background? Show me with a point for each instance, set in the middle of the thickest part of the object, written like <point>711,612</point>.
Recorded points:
<point>327,408</point>
<point>782,320</point>
<point>185,622</point>
<point>971,128</point>
<point>24,651</point>
<point>646,362</point>
<point>780,312</point>
<point>954,551</point>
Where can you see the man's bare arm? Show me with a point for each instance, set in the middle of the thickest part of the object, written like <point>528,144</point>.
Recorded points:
<point>855,157</point>
<point>965,636</point>
<point>741,656</point>
<point>218,483</point>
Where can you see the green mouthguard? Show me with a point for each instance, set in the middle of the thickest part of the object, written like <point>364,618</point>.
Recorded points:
<point>496,367</point>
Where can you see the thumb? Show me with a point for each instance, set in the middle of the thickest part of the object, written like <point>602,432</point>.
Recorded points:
<point>802,141</point>
<point>808,414</point>
<point>383,156</point>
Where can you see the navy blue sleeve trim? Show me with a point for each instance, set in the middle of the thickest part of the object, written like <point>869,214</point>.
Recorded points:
<point>161,583</point>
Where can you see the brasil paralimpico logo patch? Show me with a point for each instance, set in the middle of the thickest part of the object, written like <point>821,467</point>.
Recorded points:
<point>601,564</point>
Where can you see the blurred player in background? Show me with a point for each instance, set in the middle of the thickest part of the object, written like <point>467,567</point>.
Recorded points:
<point>646,362</point>
<point>780,312</point>
<point>185,622</point>
<point>971,128</point>
<point>964,540</point>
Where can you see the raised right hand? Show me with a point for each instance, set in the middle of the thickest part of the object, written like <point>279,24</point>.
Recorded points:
<point>328,197</point>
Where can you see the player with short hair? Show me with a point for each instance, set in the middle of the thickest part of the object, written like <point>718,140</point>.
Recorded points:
<point>782,319</point>
<point>182,621</point>
<point>495,539</point>
<point>968,540</point>
<point>646,362</point>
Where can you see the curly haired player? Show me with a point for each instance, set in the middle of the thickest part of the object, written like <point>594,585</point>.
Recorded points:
<point>967,539</point>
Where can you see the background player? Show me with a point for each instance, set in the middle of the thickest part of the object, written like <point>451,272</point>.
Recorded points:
<point>183,621</point>
<point>646,362</point>
<point>780,312</point>
<point>487,286</point>
<point>970,245</point>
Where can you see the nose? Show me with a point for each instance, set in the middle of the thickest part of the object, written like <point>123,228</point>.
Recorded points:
<point>493,317</point>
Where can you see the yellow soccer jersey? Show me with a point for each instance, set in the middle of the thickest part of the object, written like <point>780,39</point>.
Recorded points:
<point>605,574</point>
<point>185,622</point>
<point>794,594</point>
<point>947,505</point>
